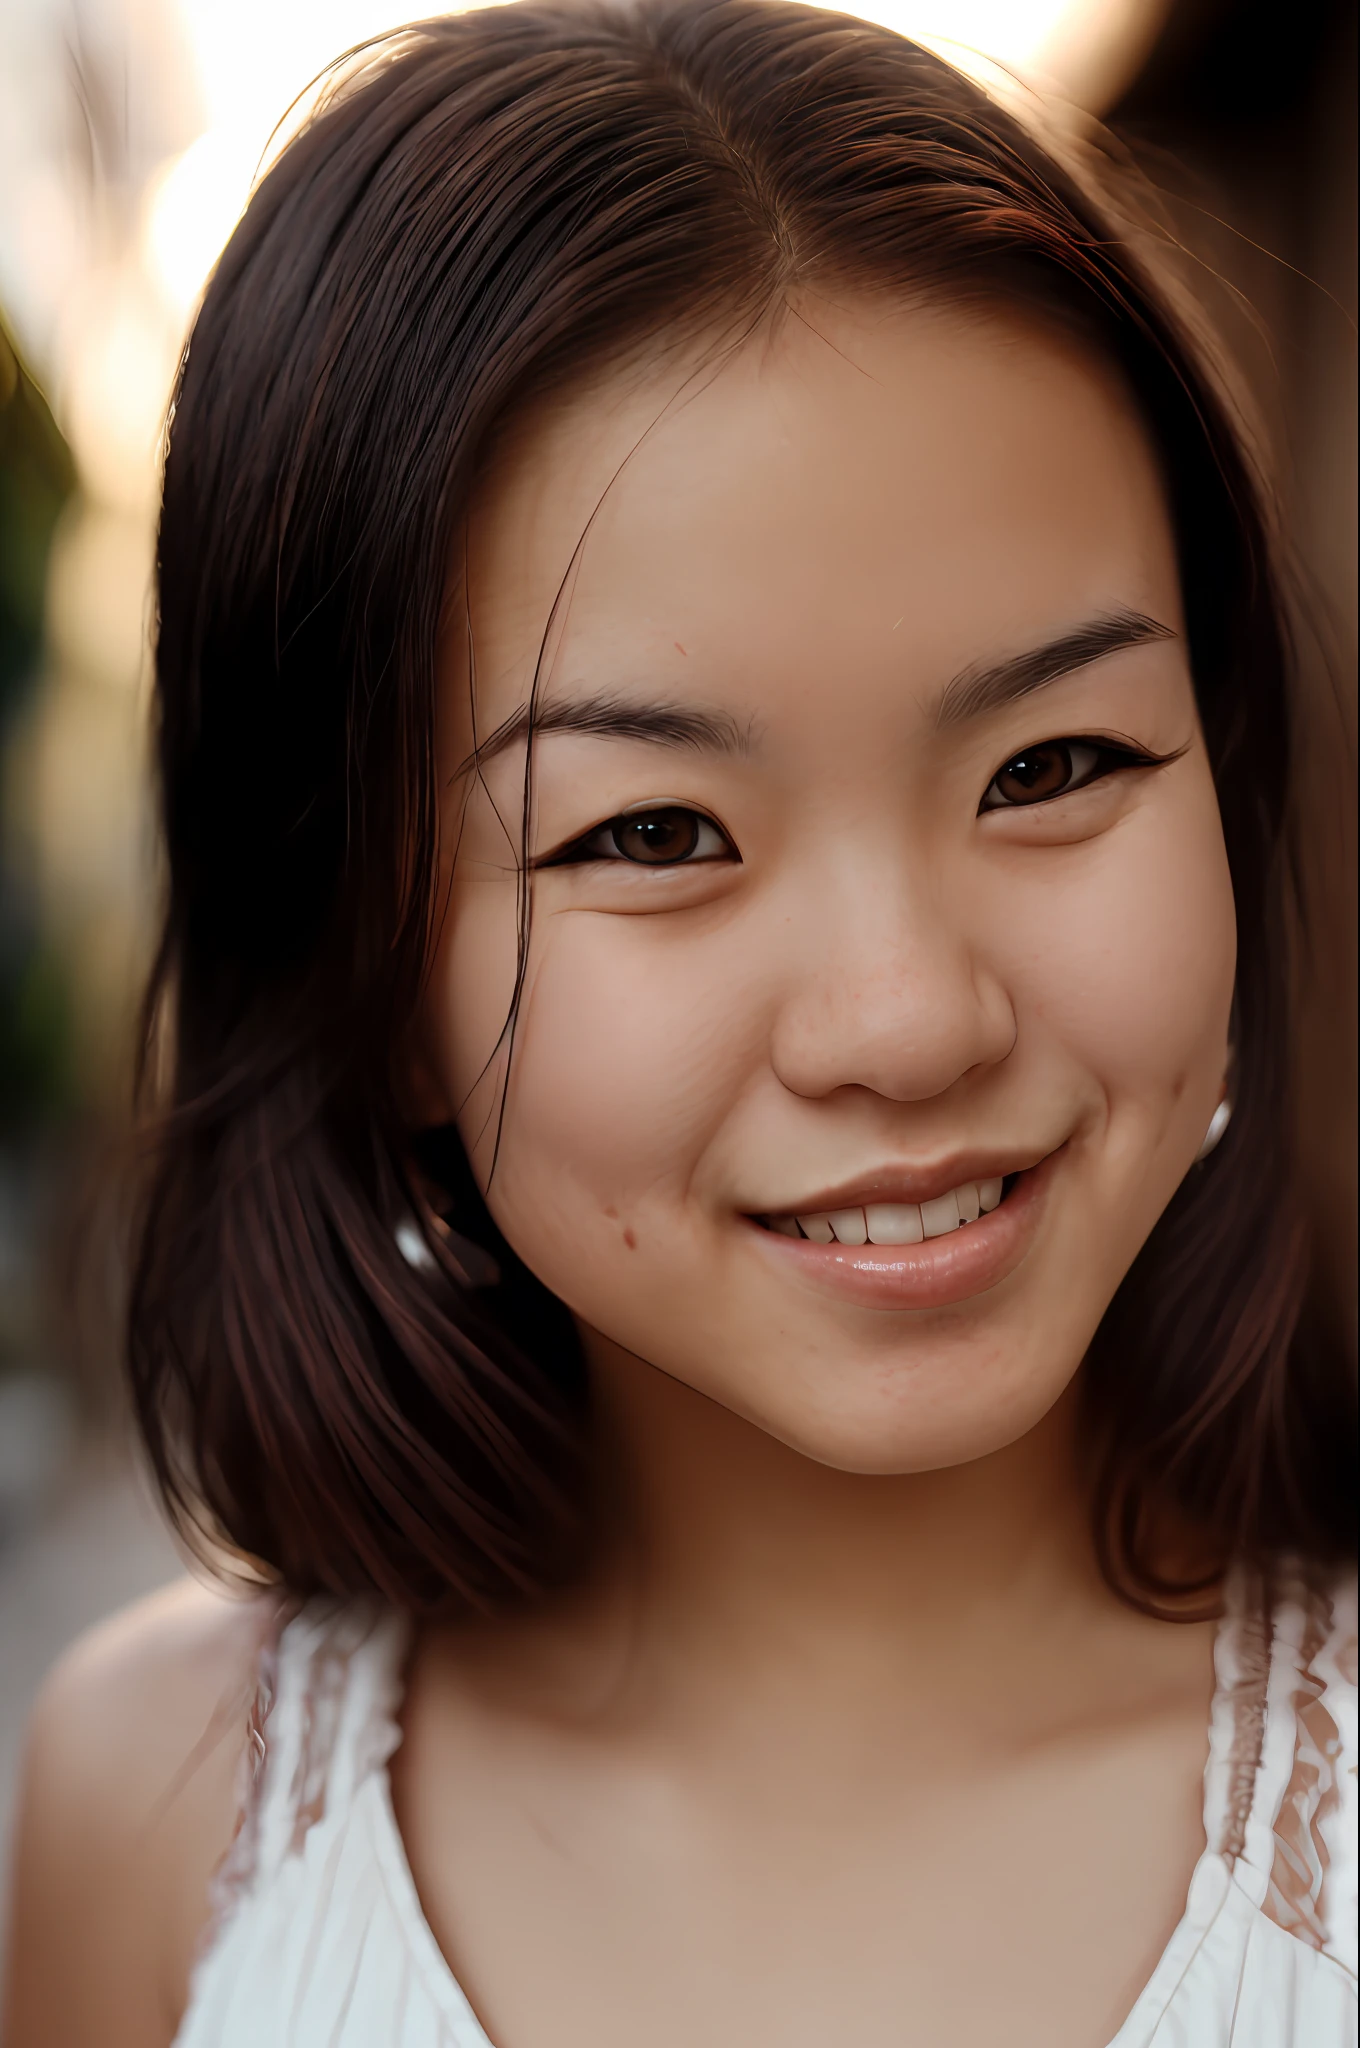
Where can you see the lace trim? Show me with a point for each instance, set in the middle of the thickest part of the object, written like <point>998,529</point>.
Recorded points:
<point>1247,1701</point>
<point>1296,1898</point>
<point>235,1871</point>
<point>321,1707</point>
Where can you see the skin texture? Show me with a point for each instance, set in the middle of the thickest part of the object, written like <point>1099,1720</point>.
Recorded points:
<point>128,1804</point>
<point>831,530</point>
<point>843,1724</point>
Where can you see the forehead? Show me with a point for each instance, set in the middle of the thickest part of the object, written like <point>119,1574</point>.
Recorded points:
<point>936,485</point>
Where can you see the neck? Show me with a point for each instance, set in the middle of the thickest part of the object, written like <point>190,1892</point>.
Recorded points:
<point>735,1557</point>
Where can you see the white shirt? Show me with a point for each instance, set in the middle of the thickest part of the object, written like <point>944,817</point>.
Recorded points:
<point>319,1940</point>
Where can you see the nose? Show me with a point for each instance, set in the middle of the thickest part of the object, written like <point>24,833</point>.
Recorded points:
<point>889,989</point>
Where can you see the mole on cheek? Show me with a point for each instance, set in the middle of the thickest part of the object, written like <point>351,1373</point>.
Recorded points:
<point>630,1240</point>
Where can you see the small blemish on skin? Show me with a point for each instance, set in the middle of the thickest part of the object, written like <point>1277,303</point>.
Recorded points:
<point>612,1213</point>
<point>679,649</point>
<point>630,1240</point>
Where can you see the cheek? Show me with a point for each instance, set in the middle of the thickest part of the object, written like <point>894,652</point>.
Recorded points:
<point>628,1051</point>
<point>1127,956</point>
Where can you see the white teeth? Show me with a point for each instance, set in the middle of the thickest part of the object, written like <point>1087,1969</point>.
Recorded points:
<point>849,1226</point>
<point>894,1223</point>
<point>940,1216</point>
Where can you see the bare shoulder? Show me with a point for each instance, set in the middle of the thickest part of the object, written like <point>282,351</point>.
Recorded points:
<point>163,1664</point>
<point>128,1803</point>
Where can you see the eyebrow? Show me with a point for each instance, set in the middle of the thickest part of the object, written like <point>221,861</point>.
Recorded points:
<point>980,689</point>
<point>971,694</point>
<point>615,718</point>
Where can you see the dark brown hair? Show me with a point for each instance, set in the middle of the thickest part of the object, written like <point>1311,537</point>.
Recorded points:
<point>481,207</point>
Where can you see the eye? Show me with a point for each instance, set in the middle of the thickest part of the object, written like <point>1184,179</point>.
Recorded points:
<point>1057,768</point>
<point>671,836</point>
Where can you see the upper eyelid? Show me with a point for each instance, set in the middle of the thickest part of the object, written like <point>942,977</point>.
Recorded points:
<point>1111,742</point>
<point>1135,754</point>
<point>582,839</point>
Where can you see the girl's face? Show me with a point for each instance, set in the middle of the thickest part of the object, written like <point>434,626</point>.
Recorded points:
<point>876,872</point>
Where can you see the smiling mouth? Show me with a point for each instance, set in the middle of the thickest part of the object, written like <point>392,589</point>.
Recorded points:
<point>928,1254</point>
<point>895,1223</point>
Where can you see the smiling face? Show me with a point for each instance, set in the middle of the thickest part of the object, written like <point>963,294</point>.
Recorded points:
<point>877,875</point>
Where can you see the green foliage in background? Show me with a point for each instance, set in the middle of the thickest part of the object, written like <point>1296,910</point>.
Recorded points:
<point>36,476</point>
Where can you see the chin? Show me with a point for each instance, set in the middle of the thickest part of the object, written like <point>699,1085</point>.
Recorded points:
<point>913,1431</point>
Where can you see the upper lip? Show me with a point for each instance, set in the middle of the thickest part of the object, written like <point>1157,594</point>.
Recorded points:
<point>907,1183</point>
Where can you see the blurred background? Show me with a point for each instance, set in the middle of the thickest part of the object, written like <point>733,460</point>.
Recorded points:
<point>130,131</point>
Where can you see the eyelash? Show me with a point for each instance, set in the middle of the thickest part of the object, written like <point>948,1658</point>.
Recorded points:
<point>1108,757</point>
<point>583,849</point>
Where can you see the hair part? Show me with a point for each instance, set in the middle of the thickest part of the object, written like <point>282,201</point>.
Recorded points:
<point>482,209</point>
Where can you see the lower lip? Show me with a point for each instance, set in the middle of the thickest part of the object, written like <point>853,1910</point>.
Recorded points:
<point>943,1270</point>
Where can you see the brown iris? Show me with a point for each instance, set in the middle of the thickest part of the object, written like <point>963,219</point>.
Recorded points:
<point>656,837</point>
<point>1040,772</point>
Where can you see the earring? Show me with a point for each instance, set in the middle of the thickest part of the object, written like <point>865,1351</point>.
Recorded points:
<point>1218,1124</point>
<point>473,1266</point>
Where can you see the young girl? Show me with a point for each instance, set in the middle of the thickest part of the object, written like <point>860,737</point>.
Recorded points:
<point>721,1246</point>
